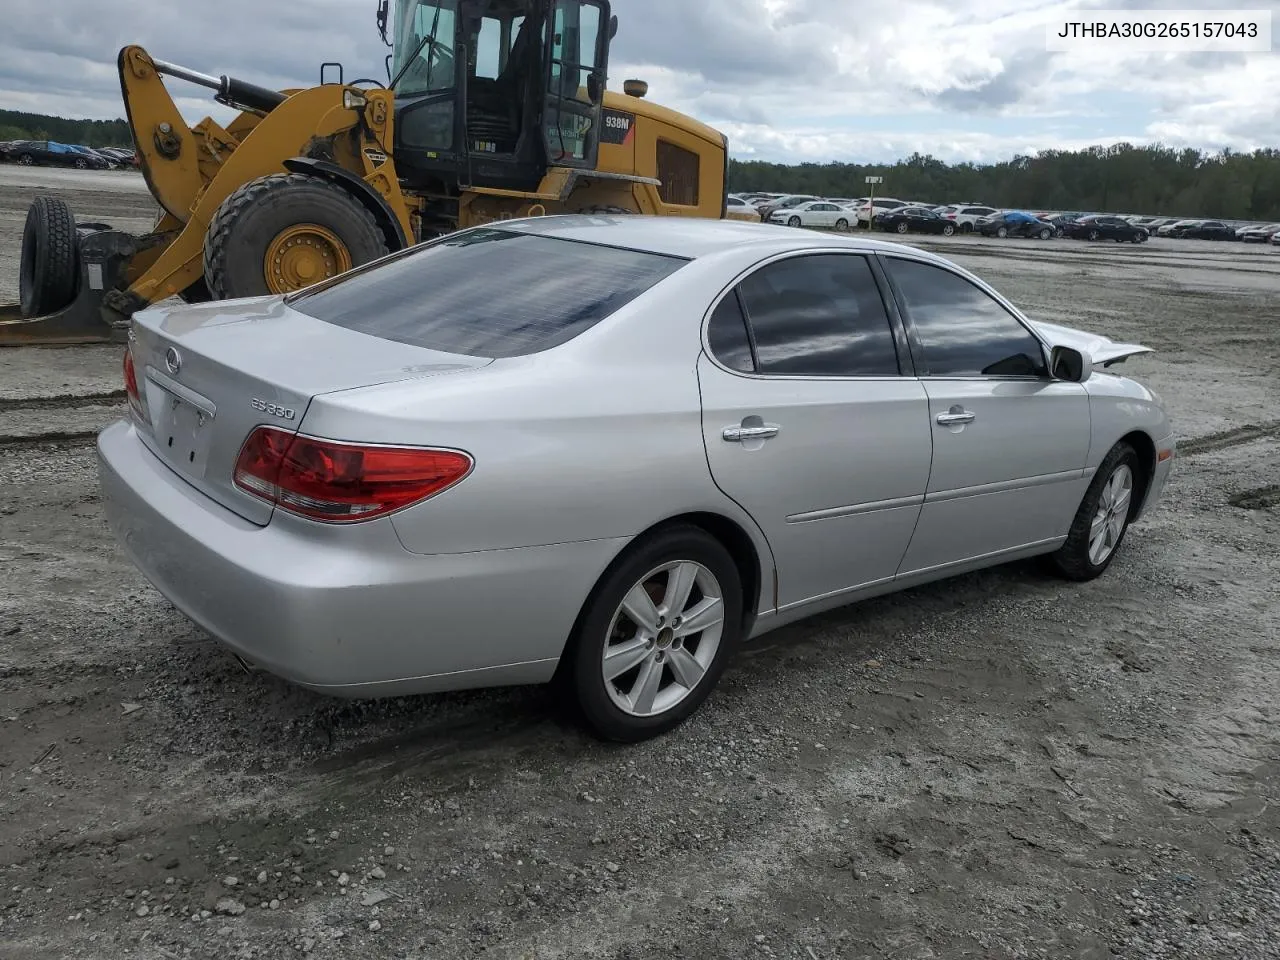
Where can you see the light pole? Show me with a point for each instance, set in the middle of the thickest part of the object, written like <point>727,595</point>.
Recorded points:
<point>871,202</point>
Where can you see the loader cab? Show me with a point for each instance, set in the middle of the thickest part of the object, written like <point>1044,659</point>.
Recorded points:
<point>490,93</point>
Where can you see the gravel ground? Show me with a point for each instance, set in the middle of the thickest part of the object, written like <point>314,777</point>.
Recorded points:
<point>999,766</point>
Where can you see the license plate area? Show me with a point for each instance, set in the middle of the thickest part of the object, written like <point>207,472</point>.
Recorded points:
<point>181,429</point>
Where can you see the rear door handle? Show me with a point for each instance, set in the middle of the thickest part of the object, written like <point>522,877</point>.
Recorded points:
<point>955,417</point>
<point>739,434</point>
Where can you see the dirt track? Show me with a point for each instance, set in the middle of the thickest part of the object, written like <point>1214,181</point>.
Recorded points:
<point>998,766</point>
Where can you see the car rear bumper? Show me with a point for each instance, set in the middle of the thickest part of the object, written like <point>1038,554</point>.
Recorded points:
<point>344,610</point>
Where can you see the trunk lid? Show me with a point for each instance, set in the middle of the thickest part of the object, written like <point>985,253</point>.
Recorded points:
<point>209,374</point>
<point>1099,349</point>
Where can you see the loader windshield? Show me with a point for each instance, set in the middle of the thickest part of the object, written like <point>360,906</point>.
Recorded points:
<point>424,46</point>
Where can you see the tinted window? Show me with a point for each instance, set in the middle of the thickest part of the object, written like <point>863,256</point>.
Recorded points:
<point>727,336</point>
<point>964,332</point>
<point>488,293</point>
<point>819,316</point>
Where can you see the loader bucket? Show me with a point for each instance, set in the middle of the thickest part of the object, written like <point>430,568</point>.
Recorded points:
<point>104,255</point>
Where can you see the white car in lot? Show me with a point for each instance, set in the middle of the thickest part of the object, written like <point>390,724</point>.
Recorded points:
<point>738,209</point>
<point>816,213</point>
<point>868,210</point>
<point>966,216</point>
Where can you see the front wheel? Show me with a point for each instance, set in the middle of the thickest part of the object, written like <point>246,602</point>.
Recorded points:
<point>26,160</point>
<point>655,635</point>
<point>284,232</point>
<point>1102,518</point>
<point>793,222</point>
<point>948,229</point>
<point>1093,234</point>
<point>1045,233</point>
<point>842,225</point>
<point>902,226</point>
<point>1002,232</point>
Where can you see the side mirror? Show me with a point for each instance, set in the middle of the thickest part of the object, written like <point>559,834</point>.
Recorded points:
<point>613,26</point>
<point>595,86</point>
<point>1069,364</point>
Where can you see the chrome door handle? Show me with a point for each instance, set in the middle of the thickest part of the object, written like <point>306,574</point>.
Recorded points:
<point>951,419</point>
<point>739,434</point>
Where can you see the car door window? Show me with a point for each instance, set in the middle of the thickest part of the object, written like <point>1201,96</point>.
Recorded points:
<point>727,335</point>
<point>819,315</point>
<point>963,331</point>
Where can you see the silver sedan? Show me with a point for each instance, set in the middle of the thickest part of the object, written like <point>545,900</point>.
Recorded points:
<point>604,452</point>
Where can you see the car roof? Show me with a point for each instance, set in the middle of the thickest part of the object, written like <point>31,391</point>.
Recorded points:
<point>691,238</point>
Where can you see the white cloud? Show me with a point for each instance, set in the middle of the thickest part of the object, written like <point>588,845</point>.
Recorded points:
<point>786,79</point>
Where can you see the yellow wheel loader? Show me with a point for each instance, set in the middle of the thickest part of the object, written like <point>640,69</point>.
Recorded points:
<point>492,109</point>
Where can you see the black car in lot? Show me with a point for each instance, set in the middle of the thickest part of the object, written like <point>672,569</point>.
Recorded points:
<point>1203,230</point>
<point>1014,223</point>
<point>47,152</point>
<point>1101,227</point>
<point>920,219</point>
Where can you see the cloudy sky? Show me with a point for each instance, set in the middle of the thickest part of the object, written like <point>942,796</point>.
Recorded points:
<point>788,80</point>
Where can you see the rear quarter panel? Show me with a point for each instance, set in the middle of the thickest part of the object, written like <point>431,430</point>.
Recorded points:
<point>599,438</point>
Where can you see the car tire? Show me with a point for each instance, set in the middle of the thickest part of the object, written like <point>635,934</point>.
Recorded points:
<point>1111,500</point>
<point>842,225</point>
<point>26,160</point>
<point>902,226</point>
<point>1002,232</point>
<point>793,222</point>
<point>255,218</point>
<point>49,268</point>
<point>1045,233</point>
<point>1093,234</point>
<point>605,704</point>
<point>1058,232</point>
<point>948,229</point>
<point>82,164</point>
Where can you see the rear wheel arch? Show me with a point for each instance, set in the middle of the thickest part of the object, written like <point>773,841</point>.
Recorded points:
<point>728,533</point>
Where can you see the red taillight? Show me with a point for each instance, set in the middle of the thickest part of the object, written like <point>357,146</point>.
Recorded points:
<point>342,482</point>
<point>131,385</point>
<point>951,216</point>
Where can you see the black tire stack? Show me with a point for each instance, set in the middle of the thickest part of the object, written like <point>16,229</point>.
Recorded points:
<point>49,272</point>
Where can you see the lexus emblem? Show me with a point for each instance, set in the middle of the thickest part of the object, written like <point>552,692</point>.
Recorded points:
<point>173,360</point>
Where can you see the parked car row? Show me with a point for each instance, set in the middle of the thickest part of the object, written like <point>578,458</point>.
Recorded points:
<point>50,153</point>
<point>915,216</point>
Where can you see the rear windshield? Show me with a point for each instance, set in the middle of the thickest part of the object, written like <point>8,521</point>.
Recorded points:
<point>488,293</point>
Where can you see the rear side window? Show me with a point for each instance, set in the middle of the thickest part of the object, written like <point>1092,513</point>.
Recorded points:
<point>728,338</point>
<point>488,293</point>
<point>820,316</point>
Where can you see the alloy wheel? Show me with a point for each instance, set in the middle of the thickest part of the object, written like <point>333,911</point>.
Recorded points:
<point>1112,514</point>
<point>663,638</point>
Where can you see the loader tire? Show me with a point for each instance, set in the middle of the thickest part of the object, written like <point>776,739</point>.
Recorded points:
<point>257,226</point>
<point>50,266</point>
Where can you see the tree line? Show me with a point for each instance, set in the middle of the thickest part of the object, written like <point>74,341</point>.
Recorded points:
<point>16,125</point>
<point>1150,180</point>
